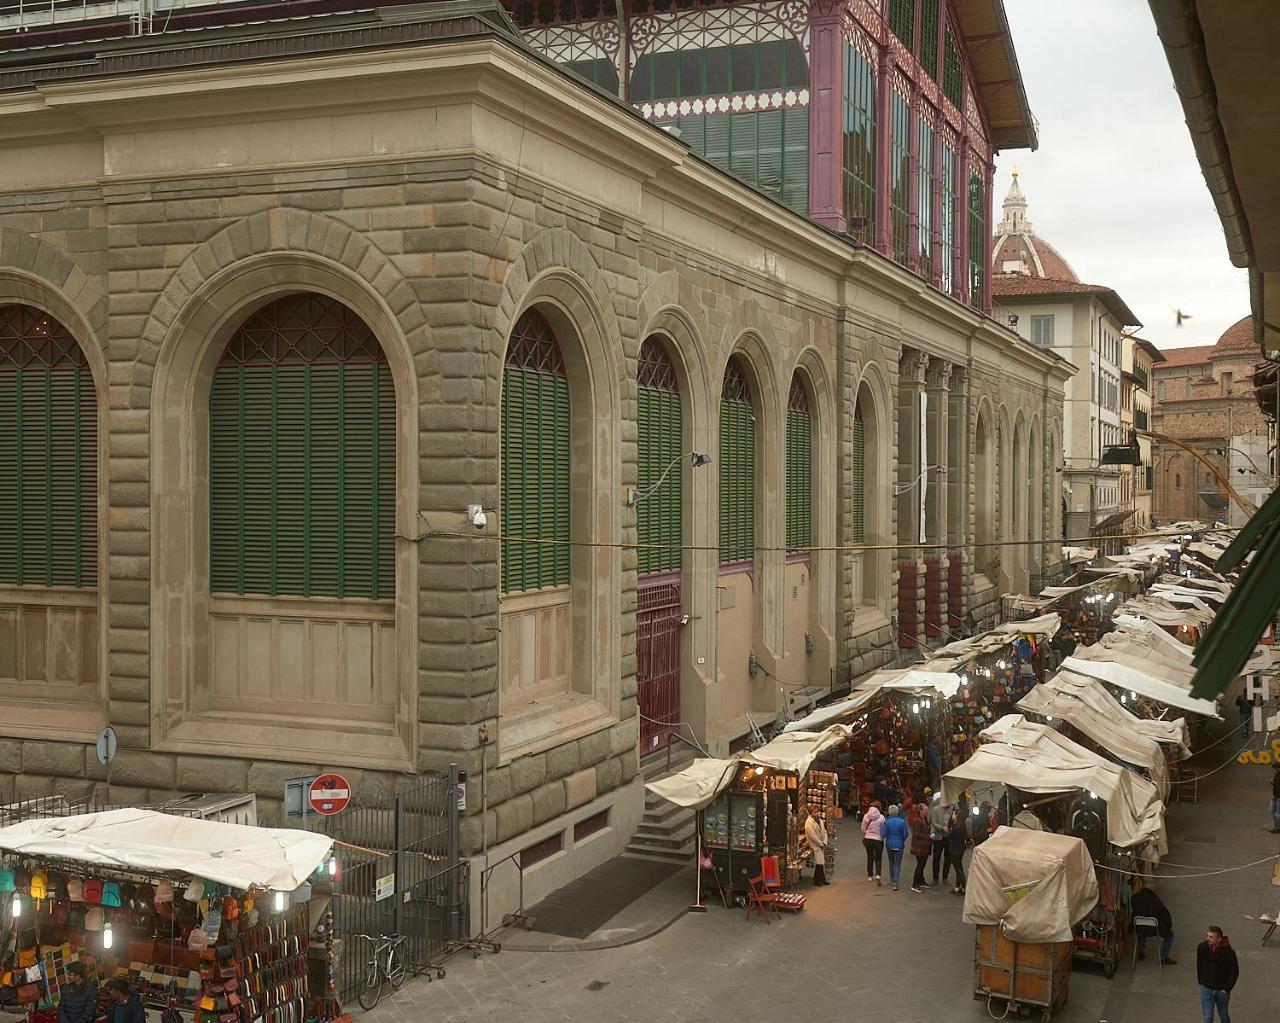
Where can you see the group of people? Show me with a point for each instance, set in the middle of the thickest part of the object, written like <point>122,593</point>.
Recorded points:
<point>933,831</point>
<point>80,999</point>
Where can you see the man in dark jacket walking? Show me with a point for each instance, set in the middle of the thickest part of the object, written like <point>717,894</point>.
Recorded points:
<point>1275,800</point>
<point>125,1005</point>
<point>79,1001</point>
<point>1217,970</point>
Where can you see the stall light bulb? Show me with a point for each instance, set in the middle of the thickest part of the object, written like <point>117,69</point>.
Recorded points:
<point>759,770</point>
<point>15,907</point>
<point>1048,717</point>
<point>279,902</point>
<point>106,936</point>
<point>1132,694</point>
<point>333,866</point>
<point>915,708</point>
<point>976,811</point>
<point>1123,698</point>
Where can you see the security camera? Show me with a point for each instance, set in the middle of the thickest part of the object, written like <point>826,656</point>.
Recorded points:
<point>476,516</point>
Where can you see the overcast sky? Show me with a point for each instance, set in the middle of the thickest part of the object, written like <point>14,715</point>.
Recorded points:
<point>1115,185</point>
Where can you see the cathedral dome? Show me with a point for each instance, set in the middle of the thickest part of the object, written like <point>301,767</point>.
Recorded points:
<point>1017,249</point>
<point>1237,338</point>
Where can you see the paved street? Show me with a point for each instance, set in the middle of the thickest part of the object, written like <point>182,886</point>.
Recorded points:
<point>858,951</point>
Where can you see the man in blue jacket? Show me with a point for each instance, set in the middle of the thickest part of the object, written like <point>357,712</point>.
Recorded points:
<point>896,834</point>
<point>79,1001</point>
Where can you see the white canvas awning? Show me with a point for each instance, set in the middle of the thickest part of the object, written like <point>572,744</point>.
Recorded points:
<point>1140,682</point>
<point>1036,758</point>
<point>832,712</point>
<point>697,784</point>
<point>159,843</point>
<point>1093,693</point>
<point>793,752</point>
<point>1035,884</point>
<point>1075,555</point>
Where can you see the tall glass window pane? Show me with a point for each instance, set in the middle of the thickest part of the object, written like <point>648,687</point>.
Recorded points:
<point>948,253</point>
<point>859,143</point>
<point>925,211</point>
<point>900,171</point>
<point>977,237</point>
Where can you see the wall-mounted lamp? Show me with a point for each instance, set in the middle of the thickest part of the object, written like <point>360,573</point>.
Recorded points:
<point>696,459</point>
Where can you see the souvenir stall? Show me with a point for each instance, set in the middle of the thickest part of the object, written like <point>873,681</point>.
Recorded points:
<point>210,920</point>
<point>1086,609</point>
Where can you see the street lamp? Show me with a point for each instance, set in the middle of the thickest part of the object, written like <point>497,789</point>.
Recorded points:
<point>696,458</point>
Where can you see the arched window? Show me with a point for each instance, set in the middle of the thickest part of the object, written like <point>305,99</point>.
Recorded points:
<point>48,454</point>
<point>659,451</point>
<point>536,433</point>
<point>799,469</point>
<point>858,530</point>
<point>737,467</point>
<point>302,439</point>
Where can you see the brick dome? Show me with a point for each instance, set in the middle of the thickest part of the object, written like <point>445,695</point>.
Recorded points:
<point>1237,338</point>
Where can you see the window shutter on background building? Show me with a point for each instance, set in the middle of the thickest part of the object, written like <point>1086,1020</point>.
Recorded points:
<point>858,516</point>
<point>737,468</point>
<point>659,449</point>
<point>799,469</point>
<point>48,454</point>
<point>302,456</point>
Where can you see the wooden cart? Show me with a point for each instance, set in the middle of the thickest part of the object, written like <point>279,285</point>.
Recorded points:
<point>1027,977</point>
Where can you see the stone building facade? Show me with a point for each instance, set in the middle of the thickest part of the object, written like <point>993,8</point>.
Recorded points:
<point>1206,398</point>
<point>172,240</point>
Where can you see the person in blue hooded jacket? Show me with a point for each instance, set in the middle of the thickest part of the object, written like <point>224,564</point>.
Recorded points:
<point>896,835</point>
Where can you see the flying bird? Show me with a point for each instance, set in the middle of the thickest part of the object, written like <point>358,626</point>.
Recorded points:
<point>1181,316</point>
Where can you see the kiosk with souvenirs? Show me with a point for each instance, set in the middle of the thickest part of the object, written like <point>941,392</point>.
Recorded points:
<point>203,920</point>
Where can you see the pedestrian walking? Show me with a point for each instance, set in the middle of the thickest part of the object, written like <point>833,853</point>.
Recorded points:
<point>1217,971</point>
<point>1245,709</point>
<point>938,816</point>
<point>873,841</point>
<point>957,839</point>
<point>921,844</point>
<point>933,758</point>
<point>815,835</point>
<point>1275,799</point>
<point>896,836</point>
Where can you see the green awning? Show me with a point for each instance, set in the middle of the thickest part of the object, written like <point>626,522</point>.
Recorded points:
<point>1230,639</point>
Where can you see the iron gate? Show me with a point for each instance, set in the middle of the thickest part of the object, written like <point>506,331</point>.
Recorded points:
<point>399,871</point>
<point>658,661</point>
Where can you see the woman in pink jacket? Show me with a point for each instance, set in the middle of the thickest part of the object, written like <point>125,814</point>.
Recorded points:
<point>873,841</point>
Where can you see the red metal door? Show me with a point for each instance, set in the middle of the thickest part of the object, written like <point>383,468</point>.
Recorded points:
<point>658,659</point>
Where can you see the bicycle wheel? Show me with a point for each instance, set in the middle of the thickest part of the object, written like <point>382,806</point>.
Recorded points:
<point>395,964</point>
<point>371,989</point>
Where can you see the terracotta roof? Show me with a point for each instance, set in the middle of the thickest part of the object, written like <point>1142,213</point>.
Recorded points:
<point>1041,258</point>
<point>1022,286</point>
<point>1187,356</point>
<point>1237,337</point>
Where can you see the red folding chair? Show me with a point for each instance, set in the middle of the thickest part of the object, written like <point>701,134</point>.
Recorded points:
<point>771,871</point>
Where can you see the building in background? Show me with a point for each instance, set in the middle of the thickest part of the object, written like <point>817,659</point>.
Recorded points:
<point>1037,293</point>
<point>1140,357</point>
<point>1205,397</point>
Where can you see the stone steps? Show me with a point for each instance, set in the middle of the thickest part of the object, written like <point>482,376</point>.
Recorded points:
<point>667,831</point>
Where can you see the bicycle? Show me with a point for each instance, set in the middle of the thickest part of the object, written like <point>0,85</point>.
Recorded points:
<point>386,962</point>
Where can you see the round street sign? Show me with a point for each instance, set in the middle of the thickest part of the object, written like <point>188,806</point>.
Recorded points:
<point>329,794</point>
<point>106,745</point>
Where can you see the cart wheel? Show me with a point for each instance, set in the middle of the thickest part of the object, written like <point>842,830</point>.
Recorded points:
<point>439,974</point>
<point>497,948</point>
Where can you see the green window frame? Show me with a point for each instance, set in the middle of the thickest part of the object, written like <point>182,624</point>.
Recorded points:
<point>858,515</point>
<point>902,21</point>
<point>859,144</point>
<point>536,450</point>
<point>48,454</point>
<point>977,237</point>
<point>600,72</point>
<point>659,462</point>
<point>900,174</point>
<point>719,70</point>
<point>302,456</point>
<point>950,173</point>
<point>737,467</point>
<point>799,469</point>
<point>927,184</point>
<point>930,24</point>
<point>952,72</point>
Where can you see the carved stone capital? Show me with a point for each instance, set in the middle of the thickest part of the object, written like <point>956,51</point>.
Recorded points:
<point>912,367</point>
<point>938,375</point>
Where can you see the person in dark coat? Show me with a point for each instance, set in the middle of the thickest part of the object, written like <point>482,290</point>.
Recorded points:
<point>921,845</point>
<point>957,839</point>
<point>79,1001</point>
<point>1147,903</point>
<point>124,1005</point>
<point>1217,971</point>
<point>1275,800</point>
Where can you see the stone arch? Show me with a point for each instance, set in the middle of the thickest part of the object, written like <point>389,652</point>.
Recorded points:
<point>986,496</point>
<point>35,272</point>
<point>1018,503</point>
<point>587,332</point>
<point>195,336</point>
<point>879,431</point>
<point>291,233</point>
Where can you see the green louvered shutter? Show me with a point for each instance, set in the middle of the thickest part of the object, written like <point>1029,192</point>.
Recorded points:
<point>659,450</point>
<point>737,468</point>
<point>799,470</point>
<point>48,454</point>
<point>902,20</point>
<point>536,450</point>
<point>302,457</point>
<point>795,159</point>
<point>858,524</point>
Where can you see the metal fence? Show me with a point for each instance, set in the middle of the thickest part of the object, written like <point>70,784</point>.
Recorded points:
<point>398,872</point>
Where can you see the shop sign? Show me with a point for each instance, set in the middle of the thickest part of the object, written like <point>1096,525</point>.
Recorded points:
<point>329,794</point>
<point>384,887</point>
<point>461,797</point>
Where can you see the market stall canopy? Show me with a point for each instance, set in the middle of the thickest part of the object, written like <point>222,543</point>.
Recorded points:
<point>1212,586</point>
<point>1183,596</point>
<point>913,680</point>
<point>1043,627</point>
<point>698,784</point>
<point>823,716</point>
<point>1036,884</point>
<point>160,843</point>
<point>1092,693</point>
<point>1162,612</point>
<point>1111,733</point>
<point>795,751</point>
<point>1076,555</point>
<point>1137,681</point>
<point>1128,571</point>
<point>1036,758</point>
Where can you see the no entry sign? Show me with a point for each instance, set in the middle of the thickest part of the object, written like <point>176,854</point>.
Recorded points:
<point>329,794</point>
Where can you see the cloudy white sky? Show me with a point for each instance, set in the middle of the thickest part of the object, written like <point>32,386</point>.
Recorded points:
<point>1115,185</point>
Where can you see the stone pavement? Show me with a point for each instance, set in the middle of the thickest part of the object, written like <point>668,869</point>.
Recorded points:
<point>862,952</point>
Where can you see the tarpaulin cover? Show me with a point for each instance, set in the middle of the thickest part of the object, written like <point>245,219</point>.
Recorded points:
<point>1111,733</point>
<point>1163,612</point>
<point>1036,758</point>
<point>1079,553</point>
<point>1062,883</point>
<point>161,843</point>
<point>697,784</point>
<point>1094,694</point>
<point>823,716</point>
<point>906,680</point>
<point>795,751</point>
<point>1137,681</point>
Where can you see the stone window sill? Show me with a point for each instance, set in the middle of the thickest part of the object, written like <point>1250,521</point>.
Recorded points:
<point>544,724</point>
